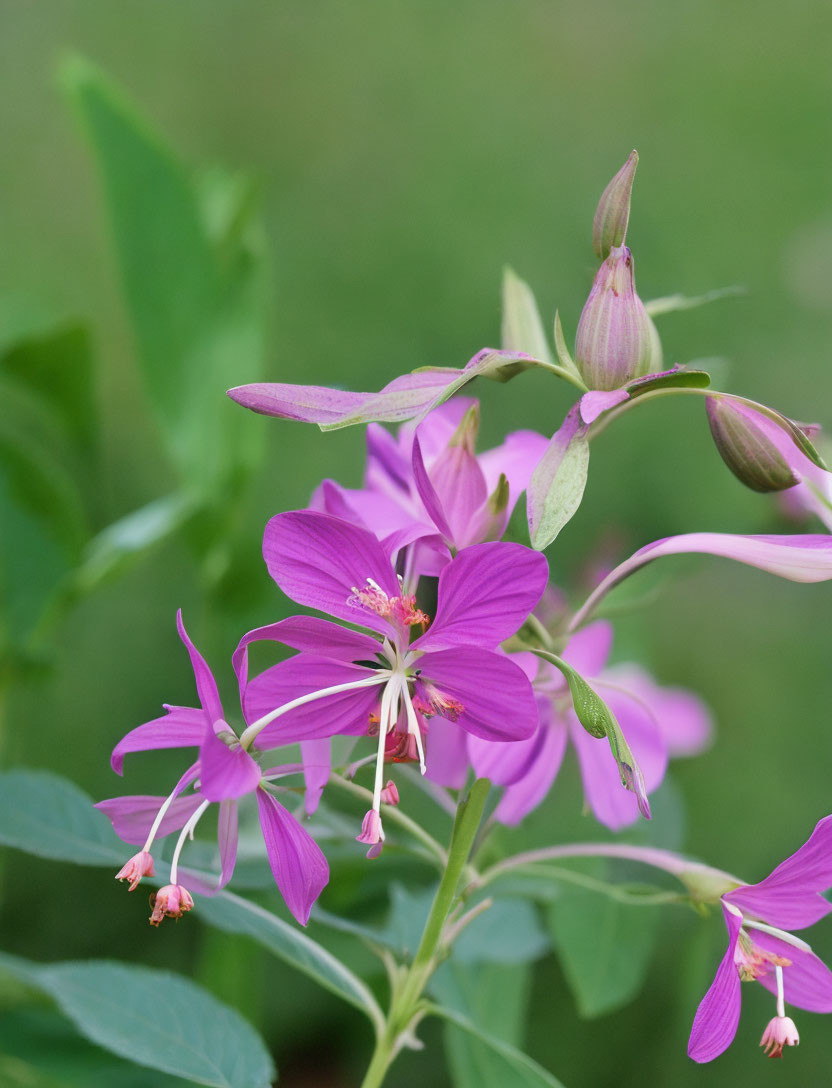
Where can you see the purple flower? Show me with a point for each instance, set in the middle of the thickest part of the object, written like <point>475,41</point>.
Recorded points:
<point>225,772</point>
<point>353,682</point>
<point>656,722</point>
<point>759,918</point>
<point>427,484</point>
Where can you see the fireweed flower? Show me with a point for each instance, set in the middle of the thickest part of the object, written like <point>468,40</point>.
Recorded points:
<point>656,721</point>
<point>223,773</point>
<point>386,683</point>
<point>761,947</point>
<point>428,482</point>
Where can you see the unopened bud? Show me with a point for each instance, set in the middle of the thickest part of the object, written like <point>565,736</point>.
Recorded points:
<point>139,865</point>
<point>780,1032</point>
<point>172,901</point>
<point>615,341</point>
<point>609,227</point>
<point>761,454</point>
<point>390,793</point>
<point>465,436</point>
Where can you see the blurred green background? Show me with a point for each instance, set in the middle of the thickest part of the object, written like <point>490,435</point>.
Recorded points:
<point>405,152</point>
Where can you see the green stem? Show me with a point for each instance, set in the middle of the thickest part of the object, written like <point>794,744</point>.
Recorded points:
<point>404,1005</point>
<point>395,816</point>
<point>674,391</point>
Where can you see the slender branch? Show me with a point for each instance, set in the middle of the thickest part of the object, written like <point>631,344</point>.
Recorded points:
<point>604,421</point>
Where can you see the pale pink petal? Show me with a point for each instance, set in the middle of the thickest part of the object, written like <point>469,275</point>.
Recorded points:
<point>524,795</point>
<point>807,981</point>
<point>598,401</point>
<point>132,817</point>
<point>683,718</point>
<point>316,766</point>
<point>446,753</point>
<point>589,648</point>
<point>227,837</point>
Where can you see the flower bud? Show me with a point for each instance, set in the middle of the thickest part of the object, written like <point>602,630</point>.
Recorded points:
<point>139,865</point>
<point>615,341</point>
<point>609,227</point>
<point>172,901</point>
<point>390,793</point>
<point>780,1032</point>
<point>759,452</point>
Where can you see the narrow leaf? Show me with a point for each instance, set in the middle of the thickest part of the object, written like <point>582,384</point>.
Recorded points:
<point>671,303</point>
<point>508,1060</point>
<point>522,329</point>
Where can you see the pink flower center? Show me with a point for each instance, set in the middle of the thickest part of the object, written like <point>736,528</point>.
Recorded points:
<point>754,962</point>
<point>432,701</point>
<point>401,611</point>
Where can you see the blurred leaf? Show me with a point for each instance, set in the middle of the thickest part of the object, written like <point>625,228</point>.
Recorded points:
<point>56,364</point>
<point>233,914</point>
<point>409,910</point>
<point>196,309</point>
<point>495,998</point>
<point>604,946</point>
<point>154,1018</point>
<point>112,551</point>
<point>508,932</point>
<point>44,814</point>
<point>522,328</point>
<point>671,303</point>
<point>43,1046</point>
<point>515,1068</point>
<point>675,379</point>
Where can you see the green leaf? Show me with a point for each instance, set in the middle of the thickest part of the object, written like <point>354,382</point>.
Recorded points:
<point>113,550</point>
<point>516,1068</point>
<point>604,946</point>
<point>495,997</point>
<point>154,1018</point>
<point>672,303</point>
<point>558,482</point>
<point>522,328</point>
<point>233,914</point>
<point>599,721</point>
<point>508,932</point>
<point>44,814</point>
<point>675,379</point>
<point>562,351</point>
<point>195,289</point>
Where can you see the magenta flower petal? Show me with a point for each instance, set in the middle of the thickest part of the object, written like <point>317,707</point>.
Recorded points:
<point>308,633</point>
<point>789,897</point>
<point>505,762</point>
<point>320,562</point>
<point>457,480</point>
<point>428,494</point>
<point>297,862</point>
<point>497,698</point>
<point>485,594</point>
<point>524,795</point>
<point>206,685</point>
<point>589,648</point>
<point>718,1015</point>
<point>807,981</point>
<point>132,817</point>
<point>225,770</point>
<point>227,838</point>
<point>181,727</point>
<point>346,712</point>
<point>446,753</point>
<point>316,766</point>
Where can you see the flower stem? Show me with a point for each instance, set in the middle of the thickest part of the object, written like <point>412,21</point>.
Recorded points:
<point>405,1010</point>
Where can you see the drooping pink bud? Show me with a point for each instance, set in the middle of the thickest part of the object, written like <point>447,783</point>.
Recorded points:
<point>172,901</point>
<point>780,1032</point>
<point>616,340</point>
<point>390,794</point>
<point>609,227</point>
<point>371,830</point>
<point>139,865</point>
